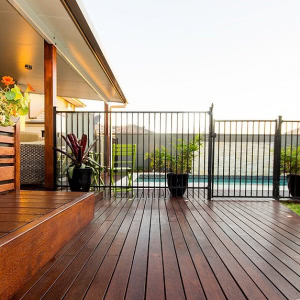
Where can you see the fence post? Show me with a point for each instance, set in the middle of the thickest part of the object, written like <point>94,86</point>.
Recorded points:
<point>210,153</point>
<point>54,147</point>
<point>277,151</point>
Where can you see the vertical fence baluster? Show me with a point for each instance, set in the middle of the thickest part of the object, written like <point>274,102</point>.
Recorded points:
<point>241,157</point>
<point>276,166</point>
<point>210,154</point>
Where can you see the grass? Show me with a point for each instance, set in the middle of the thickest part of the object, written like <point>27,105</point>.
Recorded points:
<point>295,207</point>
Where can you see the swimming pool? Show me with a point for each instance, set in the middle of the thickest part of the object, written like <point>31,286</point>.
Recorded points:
<point>239,180</point>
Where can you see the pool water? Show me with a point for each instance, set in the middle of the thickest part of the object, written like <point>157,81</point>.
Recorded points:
<point>261,180</point>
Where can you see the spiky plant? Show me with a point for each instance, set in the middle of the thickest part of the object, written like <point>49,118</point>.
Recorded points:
<point>79,154</point>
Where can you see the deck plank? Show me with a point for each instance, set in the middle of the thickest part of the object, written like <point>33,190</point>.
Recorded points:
<point>209,282</point>
<point>287,280</point>
<point>77,242</point>
<point>192,285</point>
<point>155,273</point>
<point>35,236</point>
<point>137,280</point>
<point>173,283</point>
<point>175,248</point>
<point>119,280</point>
<point>265,276</point>
<point>86,265</point>
<point>75,257</point>
<point>106,268</point>
<point>111,249</point>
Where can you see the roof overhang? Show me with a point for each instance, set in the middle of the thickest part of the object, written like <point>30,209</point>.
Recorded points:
<point>83,71</point>
<point>75,102</point>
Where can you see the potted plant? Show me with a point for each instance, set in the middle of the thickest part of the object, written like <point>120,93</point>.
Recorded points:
<point>177,164</point>
<point>82,165</point>
<point>290,165</point>
<point>14,103</point>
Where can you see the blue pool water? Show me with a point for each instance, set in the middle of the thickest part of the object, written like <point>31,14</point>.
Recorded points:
<point>264,180</point>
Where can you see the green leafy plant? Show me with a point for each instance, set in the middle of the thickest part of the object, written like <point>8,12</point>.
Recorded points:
<point>160,159</point>
<point>79,154</point>
<point>13,102</point>
<point>179,160</point>
<point>290,160</point>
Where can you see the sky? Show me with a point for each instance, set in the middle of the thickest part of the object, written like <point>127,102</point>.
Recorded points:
<point>168,55</point>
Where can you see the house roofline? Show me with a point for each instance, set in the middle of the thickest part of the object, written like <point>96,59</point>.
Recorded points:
<point>81,23</point>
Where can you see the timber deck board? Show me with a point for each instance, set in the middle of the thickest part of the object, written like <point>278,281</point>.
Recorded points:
<point>20,208</point>
<point>153,247</point>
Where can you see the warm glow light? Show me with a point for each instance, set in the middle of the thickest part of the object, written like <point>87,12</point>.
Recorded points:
<point>22,123</point>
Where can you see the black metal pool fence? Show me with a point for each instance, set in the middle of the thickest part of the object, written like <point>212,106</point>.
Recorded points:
<point>224,158</point>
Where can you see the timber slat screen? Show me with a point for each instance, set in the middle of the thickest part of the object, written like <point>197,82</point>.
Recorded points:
<point>156,136</point>
<point>9,159</point>
<point>236,158</point>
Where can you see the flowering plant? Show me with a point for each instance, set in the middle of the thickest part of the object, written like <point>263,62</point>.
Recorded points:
<point>13,103</point>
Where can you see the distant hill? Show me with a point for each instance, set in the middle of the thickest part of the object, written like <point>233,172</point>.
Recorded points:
<point>129,129</point>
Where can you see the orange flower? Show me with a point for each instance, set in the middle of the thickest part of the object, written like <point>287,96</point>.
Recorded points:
<point>30,88</point>
<point>7,80</point>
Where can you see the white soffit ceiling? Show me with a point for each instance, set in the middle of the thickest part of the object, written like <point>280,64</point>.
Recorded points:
<point>78,71</point>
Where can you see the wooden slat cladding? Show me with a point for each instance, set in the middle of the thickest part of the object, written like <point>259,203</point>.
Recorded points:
<point>7,187</point>
<point>7,150</point>
<point>9,158</point>
<point>6,139</point>
<point>17,178</point>
<point>7,129</point>
<point>7,173</point>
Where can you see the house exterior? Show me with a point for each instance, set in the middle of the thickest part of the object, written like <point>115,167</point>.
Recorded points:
<point>53,46</point>
<point>35,120</point>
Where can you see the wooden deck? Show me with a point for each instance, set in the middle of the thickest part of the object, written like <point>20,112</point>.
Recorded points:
<point>36,225</point>
<point>20,208</point>
<point>158,248</point>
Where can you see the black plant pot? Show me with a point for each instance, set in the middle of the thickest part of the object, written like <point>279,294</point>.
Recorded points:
<point>294,185</point>
<point>81,180</point>
<point>177,183</point>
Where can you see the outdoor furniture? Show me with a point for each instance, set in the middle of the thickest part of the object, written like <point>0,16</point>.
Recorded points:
<point>122,162</point>
<point>32,158</point>
<point>97,169</point>
<point>32,163</point>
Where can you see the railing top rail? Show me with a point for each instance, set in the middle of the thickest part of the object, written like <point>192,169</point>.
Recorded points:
<point>245,120</point>
<point>290,121</point>
<point>130,112</point>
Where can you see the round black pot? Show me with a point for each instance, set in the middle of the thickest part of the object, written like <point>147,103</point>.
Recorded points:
<point>81,180</point>
<point>177,183</point>
<point>294,185</point>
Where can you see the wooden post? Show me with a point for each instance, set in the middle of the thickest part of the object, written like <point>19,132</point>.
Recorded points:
<point>17,156</point>
<point>50,102</point>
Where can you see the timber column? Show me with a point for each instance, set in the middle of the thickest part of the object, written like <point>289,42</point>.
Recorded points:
<point>50,90</point>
